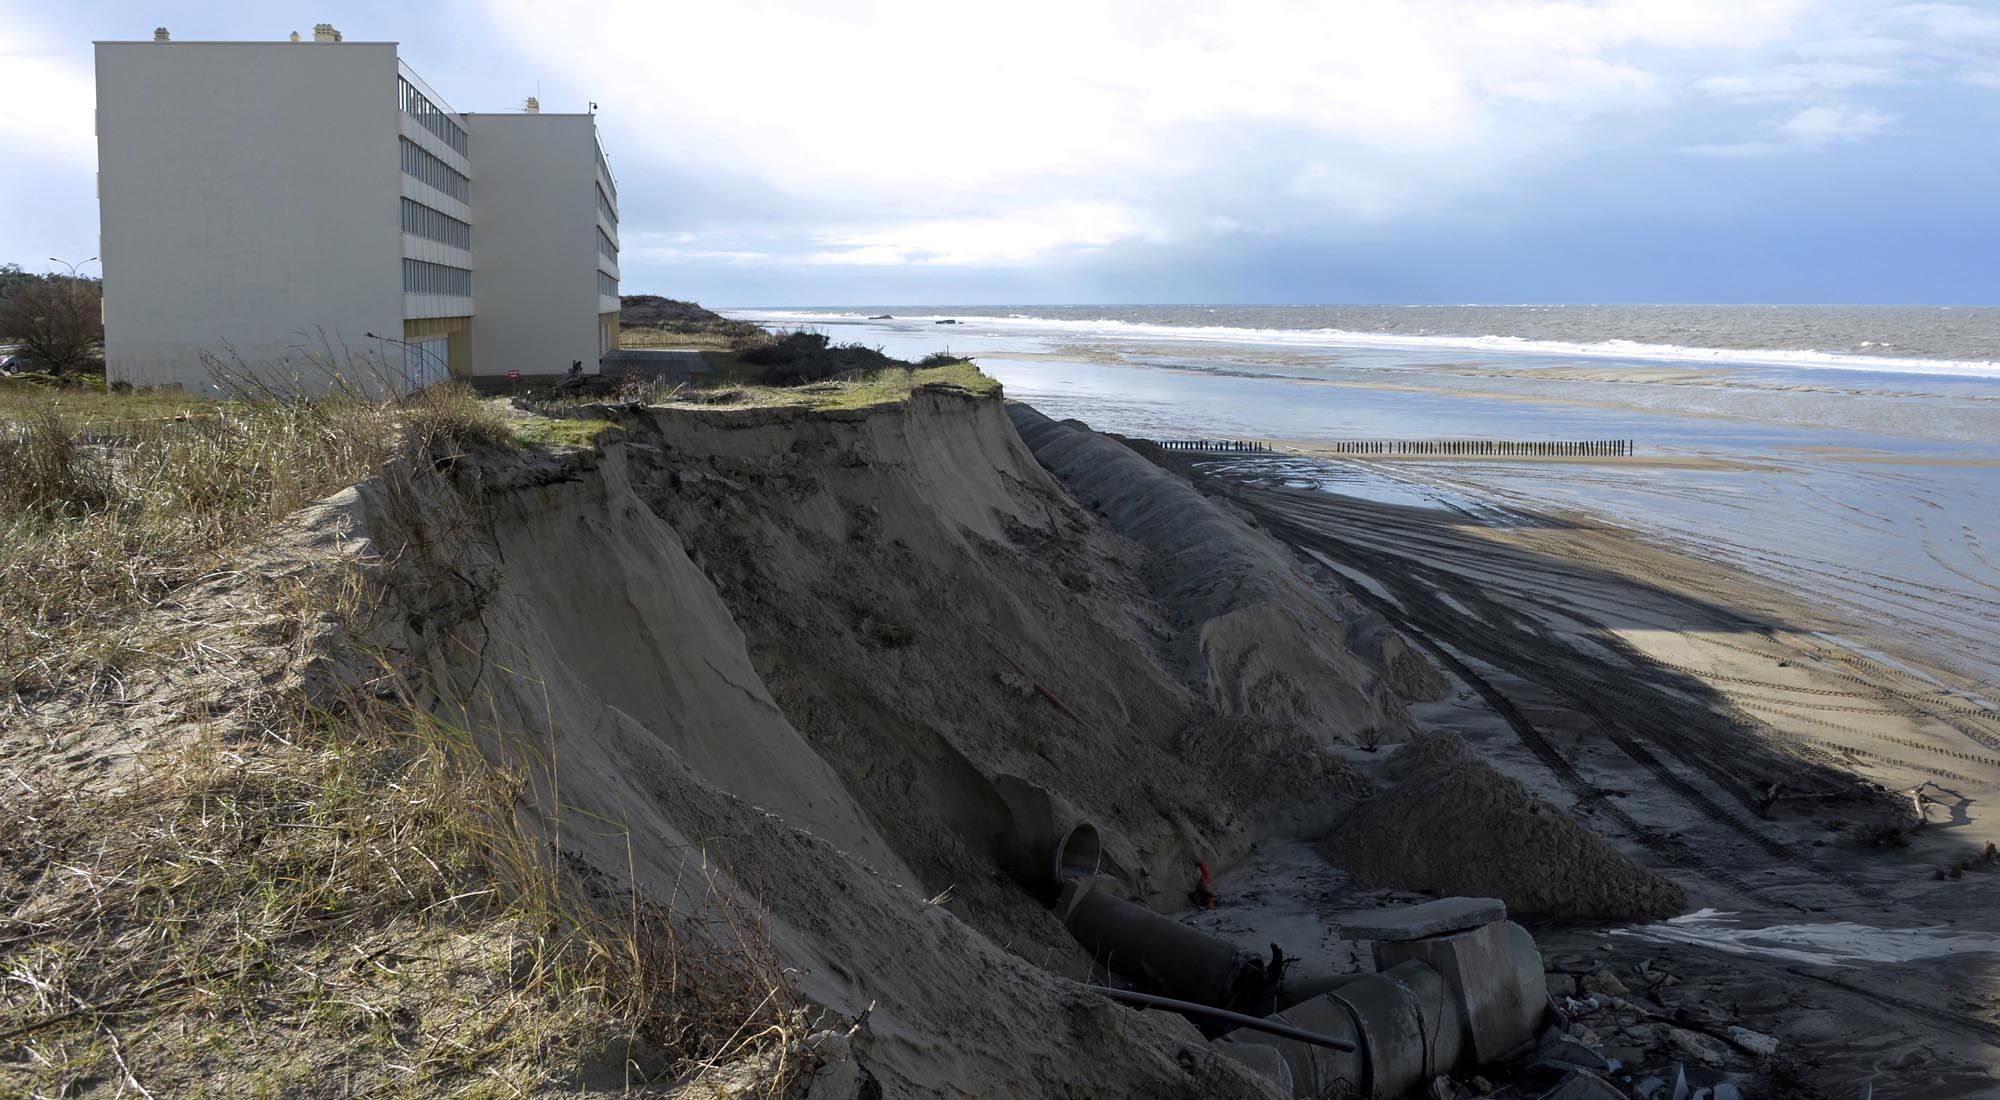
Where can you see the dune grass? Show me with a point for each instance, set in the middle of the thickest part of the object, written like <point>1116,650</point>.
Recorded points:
<point>105,508</point>
<point>867,390</point>
<point>283,891</point>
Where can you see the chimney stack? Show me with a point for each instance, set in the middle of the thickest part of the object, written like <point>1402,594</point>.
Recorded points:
<point>295,36</point>
<point>324,32</point>
<point>160,34</point>
<point>533,106</point>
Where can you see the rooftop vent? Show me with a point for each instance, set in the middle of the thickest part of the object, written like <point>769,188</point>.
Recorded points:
<point>160,34</point>
<point>295,36</point>
<point>324,32</point>
<point>533,106</point>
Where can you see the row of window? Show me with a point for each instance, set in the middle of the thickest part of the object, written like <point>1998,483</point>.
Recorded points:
<point>430,116</point>
<point>425,168</point>
<point>605,169</point>
<point>605,208</point>
<point>421,277</point>
<point>435,225</point>
<point>606,285</point>
<point>605,248</point>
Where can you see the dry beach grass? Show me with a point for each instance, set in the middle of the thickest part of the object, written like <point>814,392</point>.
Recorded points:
<point>225,871</point>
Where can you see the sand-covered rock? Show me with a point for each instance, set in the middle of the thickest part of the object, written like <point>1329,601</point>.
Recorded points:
<point>1449,823</point>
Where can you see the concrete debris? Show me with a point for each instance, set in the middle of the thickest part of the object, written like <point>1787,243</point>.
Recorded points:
<point>1582,1006</point>
<point>1695,1045</point>
<point>1673,1086</point>
<point>1753,1042</point>
<point>1583,1085</point>
<point>1561,985</point>
<point>1605,982</point>
<point>1432,918</point>
<point>1726,1091</point>
<point>1565,1053</point>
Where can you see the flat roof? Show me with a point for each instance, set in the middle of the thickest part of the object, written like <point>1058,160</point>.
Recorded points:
<point>227,42</point>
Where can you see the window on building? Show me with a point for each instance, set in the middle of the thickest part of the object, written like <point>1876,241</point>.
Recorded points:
<point>606,285</point>
<point>605,208</point>
<point>421,277</point>
<point>425,168</point>
<point>430,116</point>
<point>605,169</point>
<point>605,248</point>
<point>435,225</point>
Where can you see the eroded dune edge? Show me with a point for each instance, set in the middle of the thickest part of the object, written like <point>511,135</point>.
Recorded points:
<point>793,691</point>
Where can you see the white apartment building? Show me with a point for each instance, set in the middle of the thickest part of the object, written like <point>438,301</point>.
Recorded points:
<point>311,213</point>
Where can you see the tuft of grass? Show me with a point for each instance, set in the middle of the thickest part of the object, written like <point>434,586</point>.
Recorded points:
<point>867,390</point>
<point>551,431</point>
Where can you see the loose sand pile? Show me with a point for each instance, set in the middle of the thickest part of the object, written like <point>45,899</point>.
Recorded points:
<point>1259,637</point>
<point>1449,824</point>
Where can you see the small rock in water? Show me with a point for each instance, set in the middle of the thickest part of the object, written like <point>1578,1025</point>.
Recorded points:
<point>1753,1042</point>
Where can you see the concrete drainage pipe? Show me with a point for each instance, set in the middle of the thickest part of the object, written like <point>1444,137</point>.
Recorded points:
<point>1047,842</point>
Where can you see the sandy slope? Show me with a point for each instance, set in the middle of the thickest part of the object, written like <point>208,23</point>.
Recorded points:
<point>1709,724</point>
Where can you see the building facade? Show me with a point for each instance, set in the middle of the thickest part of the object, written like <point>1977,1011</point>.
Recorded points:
<point>307,215</point>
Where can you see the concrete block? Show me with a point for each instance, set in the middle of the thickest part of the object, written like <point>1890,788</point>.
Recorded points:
<point>1495,976</point>
<point>1397,923</point>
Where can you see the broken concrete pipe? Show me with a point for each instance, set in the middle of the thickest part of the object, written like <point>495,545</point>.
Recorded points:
<point>1160,954</point>
<point>1456,984</point>
<point>1047,842</point>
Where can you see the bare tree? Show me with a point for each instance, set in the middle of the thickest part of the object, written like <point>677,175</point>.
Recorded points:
<point>58,321</point>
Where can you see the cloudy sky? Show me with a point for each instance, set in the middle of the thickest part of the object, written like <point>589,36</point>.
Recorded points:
<point>780,152</point>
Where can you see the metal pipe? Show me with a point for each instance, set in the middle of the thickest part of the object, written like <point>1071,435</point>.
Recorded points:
<point>1269,1027</point>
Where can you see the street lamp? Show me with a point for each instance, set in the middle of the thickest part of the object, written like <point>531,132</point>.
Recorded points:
<point>72,266</point>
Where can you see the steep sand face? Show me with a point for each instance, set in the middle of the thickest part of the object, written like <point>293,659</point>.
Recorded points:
<point>560,620</point>
<point>1254,629</point>
<point>934,613</point>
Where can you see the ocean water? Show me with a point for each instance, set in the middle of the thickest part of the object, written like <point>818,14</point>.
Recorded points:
<point>1856,452</point>
<point>1916,339</point>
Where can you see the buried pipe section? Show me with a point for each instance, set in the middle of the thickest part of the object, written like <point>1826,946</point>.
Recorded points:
<point>1160,954</point>
<point>1456,982</point>
<point>1047,842</point>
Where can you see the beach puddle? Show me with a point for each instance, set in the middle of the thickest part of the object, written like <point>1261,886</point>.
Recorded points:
<point>1836,943</point>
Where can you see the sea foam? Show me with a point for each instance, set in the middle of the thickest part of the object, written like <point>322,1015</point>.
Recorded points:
<point>1333,339</point>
